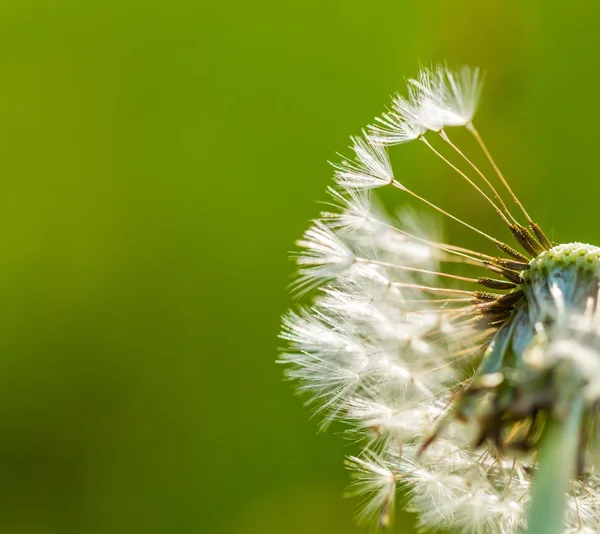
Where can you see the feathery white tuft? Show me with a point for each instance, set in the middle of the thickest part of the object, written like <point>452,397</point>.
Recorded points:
<point>448,98</point>
<point>371,167</point>
<point>437,98</point>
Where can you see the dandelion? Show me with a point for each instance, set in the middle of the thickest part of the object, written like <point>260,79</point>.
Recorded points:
<point>478,396</point>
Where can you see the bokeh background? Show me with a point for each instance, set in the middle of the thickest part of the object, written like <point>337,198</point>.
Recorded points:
<point>157,162</point>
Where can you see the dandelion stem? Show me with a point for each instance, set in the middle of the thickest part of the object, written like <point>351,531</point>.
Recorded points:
<point>556,468</point>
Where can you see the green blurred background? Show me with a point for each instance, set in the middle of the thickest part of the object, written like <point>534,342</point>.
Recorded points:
<point>157,162</point>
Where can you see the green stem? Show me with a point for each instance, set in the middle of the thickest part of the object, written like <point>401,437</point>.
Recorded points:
<point>556,468</point>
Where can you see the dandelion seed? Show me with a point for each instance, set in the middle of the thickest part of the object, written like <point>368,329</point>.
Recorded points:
<point>438,98</point>
<point>448,98</point>
<point>371,167</point>
<point>401,125</point>
<point>453,385</point>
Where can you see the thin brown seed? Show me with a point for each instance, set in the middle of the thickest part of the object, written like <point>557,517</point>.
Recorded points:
<point>512,252</point>
<point>492,283</point>
<point>526,240</point>
<point>513,276</point>
<point>541,236</point>
<point>496,309</point>
<point>496,305</point>
<point>505,303</point>
<point>486,297</point>
<point>510,299</point>
<point>513,265</point>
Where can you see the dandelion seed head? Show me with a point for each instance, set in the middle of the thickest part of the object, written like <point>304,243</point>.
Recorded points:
<point>445,380</point>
